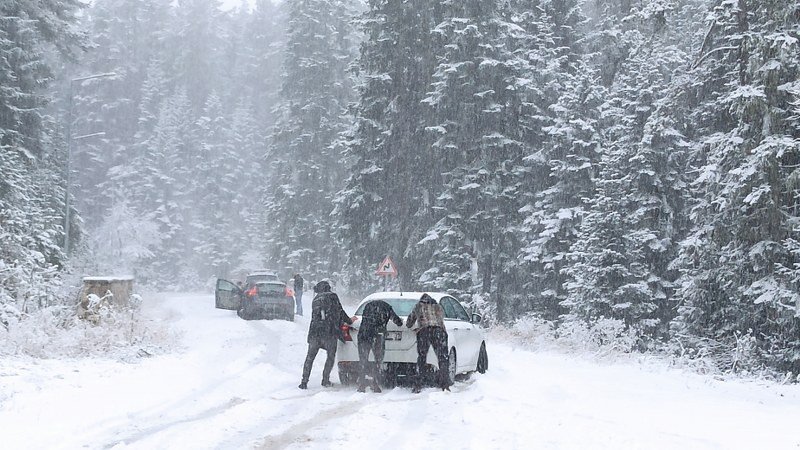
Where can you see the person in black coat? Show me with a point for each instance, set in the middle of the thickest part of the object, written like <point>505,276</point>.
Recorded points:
<point>327,315</point>
<point>298,293</point>
<point>371,335</point>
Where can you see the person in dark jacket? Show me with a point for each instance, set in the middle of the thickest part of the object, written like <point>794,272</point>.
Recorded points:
<point>371,334</point>
<point>327,316</point>
<point>298,293</point>
<point>429,316</point>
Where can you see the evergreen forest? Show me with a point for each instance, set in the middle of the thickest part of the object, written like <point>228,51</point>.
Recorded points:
<point>597,163</point>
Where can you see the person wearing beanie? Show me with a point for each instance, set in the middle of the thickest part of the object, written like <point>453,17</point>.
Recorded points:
<point>428,315</point>
<point>327,316</point>
<point>371,335</point>
<point>298,293</point>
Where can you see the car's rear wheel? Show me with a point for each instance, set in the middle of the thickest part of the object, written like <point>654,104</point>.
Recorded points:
<point>483,359</point>
<point>452,369</point>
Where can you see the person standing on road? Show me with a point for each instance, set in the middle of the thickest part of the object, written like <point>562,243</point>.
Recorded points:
<point>298,293</point>
<point>371,337</point>
<point>327,315</point>
<point>429,316</point>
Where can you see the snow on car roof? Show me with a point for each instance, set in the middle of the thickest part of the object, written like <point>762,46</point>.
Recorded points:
<point>111,278</point>
<point>402,294</point>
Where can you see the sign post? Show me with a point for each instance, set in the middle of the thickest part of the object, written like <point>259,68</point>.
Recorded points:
<point>386,269</point>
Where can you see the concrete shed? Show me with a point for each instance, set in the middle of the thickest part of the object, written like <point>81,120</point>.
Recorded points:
<point>114,291</point>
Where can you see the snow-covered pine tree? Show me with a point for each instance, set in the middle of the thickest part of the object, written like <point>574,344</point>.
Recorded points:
<point>304,168</point>
<point>31,171</point>
<point>161,188</point>
<point>126,36</point>
<point>158,49</point>
<point>621,258</point>
<point>258,40</point>
<point>561,162</point>
<point>250,144</point>
<point>485,99</point>
<point>125,178</point>
<point>569,157</point>
<point>195,44</point>
<point>738,295</point>
<point>384,208</point>
<point>123,242</point>
<point>214,230</point>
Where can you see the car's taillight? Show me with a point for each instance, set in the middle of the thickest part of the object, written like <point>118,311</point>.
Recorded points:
<point>346,332</point>
<point>251,292</point>
<point>288,292</point>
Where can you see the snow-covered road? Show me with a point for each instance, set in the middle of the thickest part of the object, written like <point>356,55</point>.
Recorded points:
<point>233,386</point>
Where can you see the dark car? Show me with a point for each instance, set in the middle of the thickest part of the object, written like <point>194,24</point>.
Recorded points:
<point>267,300</point>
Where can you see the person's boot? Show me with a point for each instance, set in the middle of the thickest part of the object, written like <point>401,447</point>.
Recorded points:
<point>376,387</point>
<point>416,390</point>
<point>303,385</point>
<point>362,387</point>
<point>326,383</point>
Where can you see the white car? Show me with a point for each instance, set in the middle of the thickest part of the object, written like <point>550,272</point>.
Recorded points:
<point>465,338</point>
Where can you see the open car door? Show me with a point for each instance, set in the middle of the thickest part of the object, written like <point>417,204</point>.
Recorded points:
<point>227,295</point>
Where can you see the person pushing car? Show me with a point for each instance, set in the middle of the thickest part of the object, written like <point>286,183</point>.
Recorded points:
<point>371,335</point>
<point>327,315</point>
<point>431,331</point>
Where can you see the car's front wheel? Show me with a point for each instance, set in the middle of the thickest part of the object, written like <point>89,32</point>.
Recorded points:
<point>483,359</point>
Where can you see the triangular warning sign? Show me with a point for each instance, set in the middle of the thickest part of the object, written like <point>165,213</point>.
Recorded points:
<point>387,268</point>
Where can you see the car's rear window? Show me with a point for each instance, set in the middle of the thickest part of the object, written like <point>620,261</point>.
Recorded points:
<point>271,288</point>
<point>253,279</point>
<point>401,306</point>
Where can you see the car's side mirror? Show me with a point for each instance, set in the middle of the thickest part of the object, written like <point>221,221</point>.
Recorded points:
<point>476,318</point>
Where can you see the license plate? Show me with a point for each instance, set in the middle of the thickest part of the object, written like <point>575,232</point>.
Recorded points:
<point>394,335</point>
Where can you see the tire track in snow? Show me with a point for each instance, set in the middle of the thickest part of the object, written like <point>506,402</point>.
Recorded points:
<point>202,415</point>
<point>297,433</point>
<point>301,432</point>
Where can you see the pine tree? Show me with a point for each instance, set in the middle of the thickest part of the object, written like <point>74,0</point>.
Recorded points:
<point>738,282</point>
<point>305,168</point>
<point>384,208</point>
<point>258,50</point>
<point>215,217</point>
<point>127,35</point>
<point>485,108</point>
<point>569,157</point>
<point>250,143</point>
<point>31,185</point>
<point>622,253</point>
<point>194,49</point>
<point>561,162</point>
<point>161,190</point>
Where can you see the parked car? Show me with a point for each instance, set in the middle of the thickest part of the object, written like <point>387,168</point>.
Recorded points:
<point>261,300</point>
<point>267,300</point>
<point>466,340</point>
